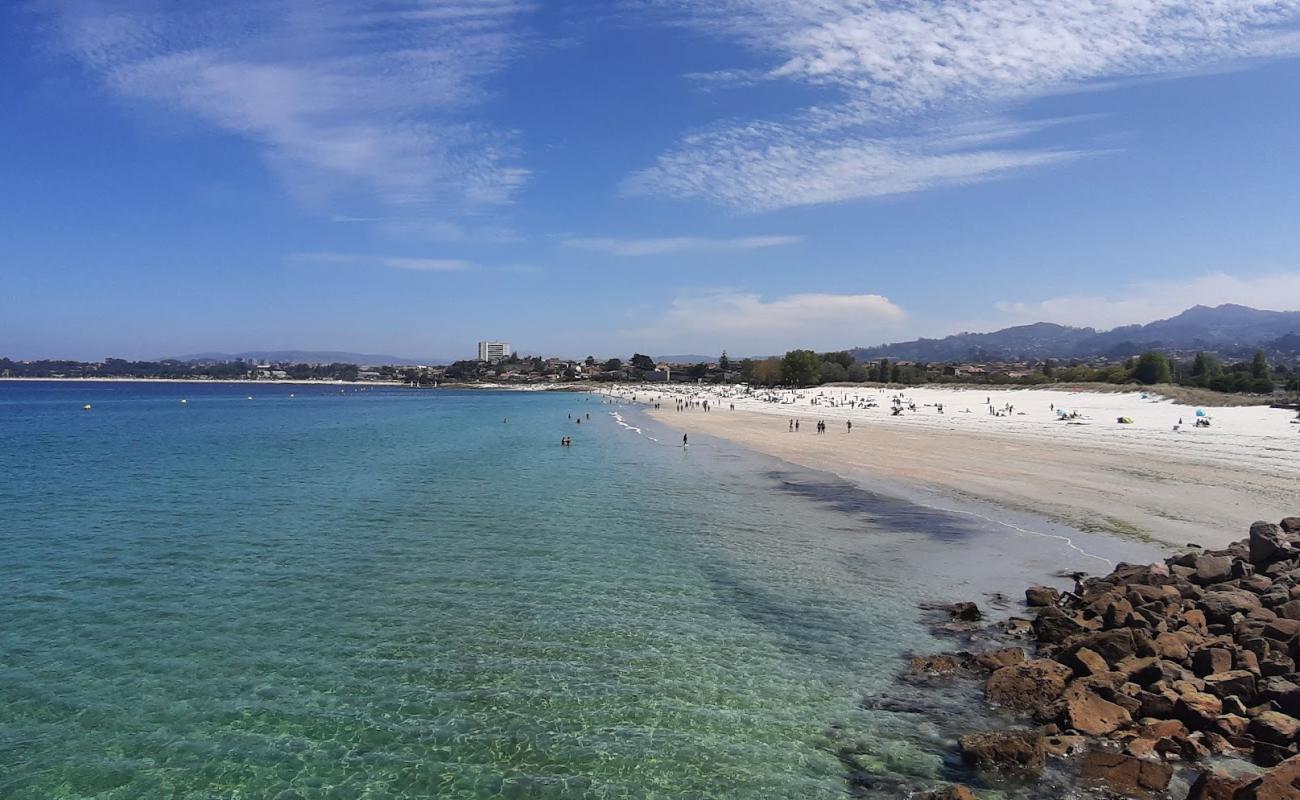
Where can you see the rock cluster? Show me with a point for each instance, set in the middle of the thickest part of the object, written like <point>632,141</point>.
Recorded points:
<point>1158,667</point>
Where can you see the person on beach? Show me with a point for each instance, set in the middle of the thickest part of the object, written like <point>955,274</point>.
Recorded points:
<point>849,424</point>
<point>684,441</point>
<point>791,426</point>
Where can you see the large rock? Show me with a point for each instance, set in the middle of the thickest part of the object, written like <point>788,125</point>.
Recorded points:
<point>1236,682</point>
<point>1003,750</point>
<point>1274,727</point>
<point>1130,776</point>
<point>1282,782</point>
<point>1086,712</point>
<point>1267,541</point>
<point>1213,569</point>
<point>1220,604</point>
<point>1215,785</point>
<point>1114,646</point>
<point>1198,710</point>
<point>1034,687</point>
<point>1053,626</point>
<point>1040,596</point>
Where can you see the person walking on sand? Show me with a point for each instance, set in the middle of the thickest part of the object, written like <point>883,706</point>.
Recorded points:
<point>849,424</point>
<point>791,426</point>
<point>684,441</point>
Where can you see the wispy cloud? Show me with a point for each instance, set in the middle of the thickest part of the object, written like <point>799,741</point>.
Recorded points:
<point>364,97</point>
<point>391,262</point>
<point>745,321</point>
<point>677,244</point>
<point>905,76</point>
<point>1144,301</point>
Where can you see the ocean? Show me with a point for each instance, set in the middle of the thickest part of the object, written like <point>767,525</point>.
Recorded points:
<point>278,591</point>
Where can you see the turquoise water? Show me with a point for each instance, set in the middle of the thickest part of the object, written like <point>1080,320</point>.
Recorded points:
<point>392,593</point>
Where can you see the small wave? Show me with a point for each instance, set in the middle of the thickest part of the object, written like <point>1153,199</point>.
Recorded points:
<point>619,419</point>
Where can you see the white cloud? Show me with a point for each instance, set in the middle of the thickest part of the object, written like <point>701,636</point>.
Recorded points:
<point>368,97</point>
<point>678,244</point>
<point>745,322</point>
<point>391,262</point>
<point>1145,301</point>
<point>771,166</point>
<point>906,76</point>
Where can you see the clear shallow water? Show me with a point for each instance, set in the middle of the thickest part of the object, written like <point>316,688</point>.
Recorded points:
<point>389,594</point>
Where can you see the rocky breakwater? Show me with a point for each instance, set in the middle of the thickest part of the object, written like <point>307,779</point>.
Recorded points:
<point>1168,680</point>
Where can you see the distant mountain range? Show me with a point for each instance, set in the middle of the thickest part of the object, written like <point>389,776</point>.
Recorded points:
<point>310,357</point>
<point>1231,331</point>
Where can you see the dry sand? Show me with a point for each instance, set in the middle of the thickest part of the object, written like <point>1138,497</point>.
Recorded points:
<point>1145,480</point>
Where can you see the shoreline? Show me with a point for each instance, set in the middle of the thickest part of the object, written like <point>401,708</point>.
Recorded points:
<point>1136,488</point>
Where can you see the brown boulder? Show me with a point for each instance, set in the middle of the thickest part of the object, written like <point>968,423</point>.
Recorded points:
<point>1003,750</point>
<point>996,659</point>
<point>1220,604</point>
<point>1275,728</point>
<point>1198,710</point>
<point>1215,785</point>
<point>1266,542</point>
<point>1039,596</point>
<point>1133,777</point>
<point>1212,569</point>
<point>1033,687</point>
<point>1210,660</point>
<point>1237,682</point>
<point>1088,713</point>
<point>1282,782</point>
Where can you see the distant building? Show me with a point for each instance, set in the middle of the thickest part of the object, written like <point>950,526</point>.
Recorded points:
<point>493,351</point>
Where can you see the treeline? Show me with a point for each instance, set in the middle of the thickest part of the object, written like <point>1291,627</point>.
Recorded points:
<point>809,368</point>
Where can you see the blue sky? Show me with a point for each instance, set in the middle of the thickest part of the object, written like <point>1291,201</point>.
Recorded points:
<point>410,176</point>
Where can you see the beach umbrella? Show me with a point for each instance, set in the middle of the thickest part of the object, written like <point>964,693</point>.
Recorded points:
<point>1200,412</point>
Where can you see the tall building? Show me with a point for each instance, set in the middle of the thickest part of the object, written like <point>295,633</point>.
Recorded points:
<point>493,351</point>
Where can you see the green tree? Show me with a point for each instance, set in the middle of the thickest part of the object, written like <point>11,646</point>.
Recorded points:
<point>1049,369</point>
<point>1259,365</point>
<point>858,374</point>
<point>724,363</point>
<point>643,362</point>
<point>832,372</point>
<point>882,371</point>
<point>613,365</point>
<point>747,370</point>
<point>698,371</point>
<point>800,368</point>
<point>1151,368</point>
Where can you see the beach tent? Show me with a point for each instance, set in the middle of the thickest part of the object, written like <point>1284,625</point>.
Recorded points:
<point>1200,412</point>
<point>1125,420</point>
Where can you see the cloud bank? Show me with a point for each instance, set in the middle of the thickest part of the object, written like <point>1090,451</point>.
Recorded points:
<point>363,97</point>
<point>906,76</point>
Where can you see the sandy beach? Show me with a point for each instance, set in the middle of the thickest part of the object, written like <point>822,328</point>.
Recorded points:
<point>1160,478</point>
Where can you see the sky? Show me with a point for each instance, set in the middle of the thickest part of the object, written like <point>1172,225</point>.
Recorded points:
<point>664,176</point>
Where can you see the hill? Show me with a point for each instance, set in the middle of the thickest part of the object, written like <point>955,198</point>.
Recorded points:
<point>1232,331</point>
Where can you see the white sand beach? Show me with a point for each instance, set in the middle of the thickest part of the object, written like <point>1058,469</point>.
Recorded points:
<point>1160,477</point>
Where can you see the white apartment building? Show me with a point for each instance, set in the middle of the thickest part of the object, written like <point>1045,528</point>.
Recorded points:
<point>493,351</point>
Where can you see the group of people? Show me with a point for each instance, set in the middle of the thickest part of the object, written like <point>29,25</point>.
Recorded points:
<point>821,426</point>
